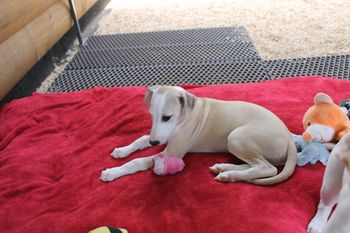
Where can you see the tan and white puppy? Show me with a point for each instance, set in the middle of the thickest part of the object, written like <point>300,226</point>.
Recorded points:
<point>190,124</point>
<point>335,189</point>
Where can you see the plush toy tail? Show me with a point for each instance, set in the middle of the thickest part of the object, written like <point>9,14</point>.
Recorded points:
<point>287,170</point>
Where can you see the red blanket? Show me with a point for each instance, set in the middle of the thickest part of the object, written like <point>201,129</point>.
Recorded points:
<point>53,148</point>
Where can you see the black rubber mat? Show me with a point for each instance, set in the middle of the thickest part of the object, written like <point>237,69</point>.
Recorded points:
<point>198,73</point>
<point>194,56</point>
<point>163,55</point>
<point>167,47</point>
<point>331,66</point>
<point>163,38</point>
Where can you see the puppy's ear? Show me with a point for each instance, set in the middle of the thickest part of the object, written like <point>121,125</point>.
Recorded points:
<point>149,94</point>
<point>187,100</point>
<point>191,100</point>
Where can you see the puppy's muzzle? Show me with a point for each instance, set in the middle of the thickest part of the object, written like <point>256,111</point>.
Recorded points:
<point>154,143</point>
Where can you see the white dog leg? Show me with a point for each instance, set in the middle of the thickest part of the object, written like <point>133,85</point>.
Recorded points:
<point>251,173</point>
<point>136,165</point>
<point>224,167</point>
<point>139,144</point>
<point>339,221</point>
<point>331,186</point>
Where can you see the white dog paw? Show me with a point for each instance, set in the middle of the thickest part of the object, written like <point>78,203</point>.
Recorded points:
<point>109,175</point>
<point>217,168</point>
<point>120,153</point>
<point>222,177</point>
<point>315,226</point>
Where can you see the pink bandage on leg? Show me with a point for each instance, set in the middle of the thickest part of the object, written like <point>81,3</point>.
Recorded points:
<point>167,164</point>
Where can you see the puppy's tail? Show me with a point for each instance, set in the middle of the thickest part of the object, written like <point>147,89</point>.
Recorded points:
<point>287,170</point>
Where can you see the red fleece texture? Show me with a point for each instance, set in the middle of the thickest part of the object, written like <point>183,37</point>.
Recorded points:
<point>53,148</point>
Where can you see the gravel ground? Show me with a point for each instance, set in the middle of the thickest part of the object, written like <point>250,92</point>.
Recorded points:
<point>279,28</point>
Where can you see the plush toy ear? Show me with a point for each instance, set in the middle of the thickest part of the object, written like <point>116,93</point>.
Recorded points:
<point>149,94</point>
<point>322,98</point>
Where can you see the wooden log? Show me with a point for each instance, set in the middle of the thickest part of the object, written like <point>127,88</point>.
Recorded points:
<point>23,49</point>
<point>46,29</point>
<point>16,14</point>
<point>16,58</point>
<point>81,6</point>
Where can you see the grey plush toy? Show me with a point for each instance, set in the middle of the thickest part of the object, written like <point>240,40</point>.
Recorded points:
<point>311,152</point>
<point>345,105</point>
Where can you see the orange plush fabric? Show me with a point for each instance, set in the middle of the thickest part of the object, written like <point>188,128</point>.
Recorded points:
<point>326,112</point>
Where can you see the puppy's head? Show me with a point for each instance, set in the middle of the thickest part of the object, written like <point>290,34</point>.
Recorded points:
<point>169,106</point>
<point>342,150</point>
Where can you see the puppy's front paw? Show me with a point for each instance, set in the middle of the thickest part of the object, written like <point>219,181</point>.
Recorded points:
<point>316,225</point>
<point>121,152</point>
<point>109,175</point>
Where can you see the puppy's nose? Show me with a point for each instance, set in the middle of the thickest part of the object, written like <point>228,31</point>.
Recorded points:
<point>154,143</point>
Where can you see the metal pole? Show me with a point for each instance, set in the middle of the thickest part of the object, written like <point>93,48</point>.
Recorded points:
<point>76,22</point>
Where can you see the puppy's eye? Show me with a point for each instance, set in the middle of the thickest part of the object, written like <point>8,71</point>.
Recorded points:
<point>166,118</point>
<point>309,124</point>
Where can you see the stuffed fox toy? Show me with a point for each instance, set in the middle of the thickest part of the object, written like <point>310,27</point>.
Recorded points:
<point>325,121</point>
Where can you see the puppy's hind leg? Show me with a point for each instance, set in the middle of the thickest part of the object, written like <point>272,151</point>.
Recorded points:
<point>252,173</point>
<point>136,165</point>
<point>331,186</point>
<point>224,167</point>
<point>139,144</point>
<point>242,146</point>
